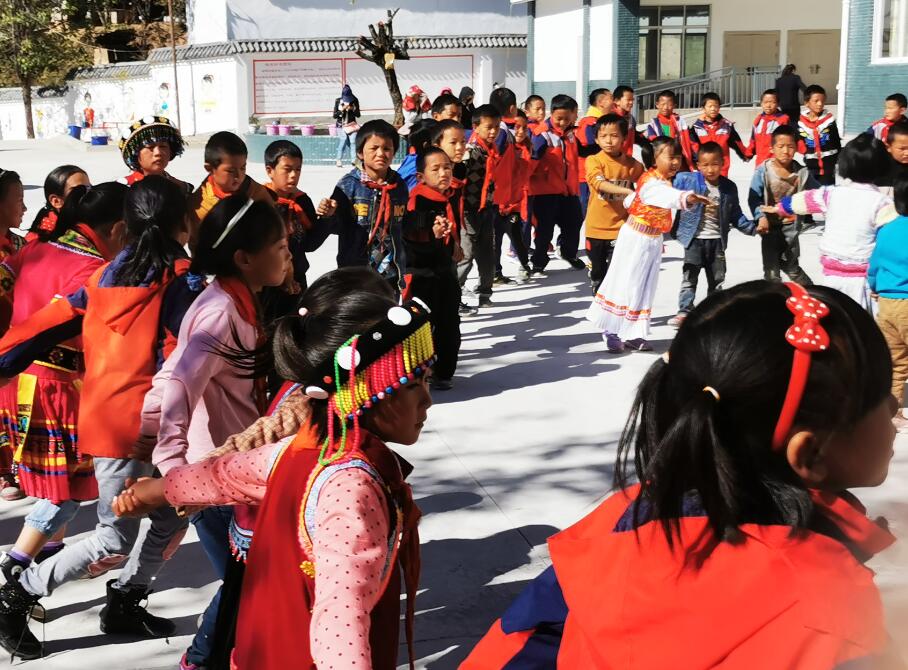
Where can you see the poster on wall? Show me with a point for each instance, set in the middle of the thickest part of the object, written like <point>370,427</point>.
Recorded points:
<point>299,86</point>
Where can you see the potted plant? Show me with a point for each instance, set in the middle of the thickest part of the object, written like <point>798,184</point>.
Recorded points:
<point>253,124</point>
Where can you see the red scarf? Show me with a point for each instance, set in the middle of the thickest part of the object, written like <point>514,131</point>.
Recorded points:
<point>218,193</point>
<point>814,126</point>
<point>294,211</point>
<point>245,305</point>
<point>491,160</point>
<point>383,215</point>
<point>431,194</point>
<point>103,248</point>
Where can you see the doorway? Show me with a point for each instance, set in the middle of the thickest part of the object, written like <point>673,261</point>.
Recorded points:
<point>816,55</point>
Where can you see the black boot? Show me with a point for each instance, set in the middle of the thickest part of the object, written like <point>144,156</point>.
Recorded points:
<point>125,614</point>
<point>15,605</point>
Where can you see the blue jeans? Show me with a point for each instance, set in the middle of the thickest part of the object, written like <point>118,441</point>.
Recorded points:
<point>212,525</point>
<point>47,518</point>
<point>706,255</point>
<point>343,141</point>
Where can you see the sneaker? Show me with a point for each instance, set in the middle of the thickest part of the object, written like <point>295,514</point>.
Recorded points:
<point>538,272</point>
<point>485,301</point>
<point>523,275</point>
<point>9,489</point>
<point>501,279</point>
<point>15,635</point>
<point>467,310</point>
<point>677,319</point>
<point>613,343</point>
<point>339,164</point>
<point>125,614</point>
<point>638,344</point>
<point>186,665</point>
<point>442,384</point>
<point>576,263</point>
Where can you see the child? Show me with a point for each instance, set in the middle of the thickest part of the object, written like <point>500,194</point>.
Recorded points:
<point>57,186</point>
<point>480,212</point>
<point>225,163</point>
<point>416,105</point>
<point>371,203</point>
<point>893,112</point>
<point>329,589</point>
<point>148,146</point>
<point>467,107</point>
<point>346,113</point>
<point>554,185</point>
<point>713,127</point>
<point>39,410</point>
<point>703,229</point>
<point>446,107</point>
<point>307,227</point>
<point>778,177</point>
<point>431,237</point>
<point>623,302</point>
<point>767,121</point>
<point>419,140</point>
<point>129,312</point>
<point>601,102</point>
<point>611,175</point>
<point>820,142</point>
<point>513,174</point>
<point>854,210</point>
<point>887,275</point>
<point>206,390</point>
<point>534,107</point>
<point>624,107</point>
<point>740,546</point>
<point>897,146</point>
<point>668,124</point>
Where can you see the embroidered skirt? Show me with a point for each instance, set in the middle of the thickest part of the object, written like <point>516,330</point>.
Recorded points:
<point>624,301</point>
<point>38,416</point>
<point>850,278</point>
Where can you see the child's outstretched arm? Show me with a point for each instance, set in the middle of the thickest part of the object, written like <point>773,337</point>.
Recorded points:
<point>736,143</point>
<point>815,201</point>
<point>285,421</point>
<point>658,193</point>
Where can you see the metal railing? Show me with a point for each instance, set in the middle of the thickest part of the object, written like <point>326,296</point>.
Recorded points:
<point>738,87</point>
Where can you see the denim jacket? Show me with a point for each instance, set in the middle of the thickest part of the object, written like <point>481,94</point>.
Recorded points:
<point>687,222</point>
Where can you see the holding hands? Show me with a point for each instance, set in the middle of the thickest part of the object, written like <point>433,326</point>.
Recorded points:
<point>326,207</point>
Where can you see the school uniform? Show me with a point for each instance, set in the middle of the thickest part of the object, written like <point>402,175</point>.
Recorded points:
<point>722,132</point>
<point>673,126</point>
<point>764,125</point>
<point>880,129</point>
<point>820,144</point>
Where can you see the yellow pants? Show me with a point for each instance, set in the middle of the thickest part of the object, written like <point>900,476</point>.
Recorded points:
<point>893,321</point>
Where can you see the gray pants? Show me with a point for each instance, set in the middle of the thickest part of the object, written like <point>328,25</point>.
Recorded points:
<point>781,251</point>
<point>114,539</point>
<point>478,242</point>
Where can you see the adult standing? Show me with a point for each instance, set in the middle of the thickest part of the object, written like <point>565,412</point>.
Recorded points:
<point>346,113</point>
<point>466,103</point>
<point>790,86</point>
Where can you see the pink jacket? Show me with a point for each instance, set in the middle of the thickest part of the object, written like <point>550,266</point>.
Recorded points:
<point>198,399</point>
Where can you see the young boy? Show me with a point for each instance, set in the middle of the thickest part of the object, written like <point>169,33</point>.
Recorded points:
<point>776,178</point>
<point>668,124</point>
<point>611,175</point>
<point>479,210</point>
<point>713,127</point>
<point>534,107</point>
<point>601,102</point>
<point>893,112</point>
<point>431,240</point>
<point>624,107</point>
<point>371,203</point>
<point>225,162</point>
<point>897,146</point>
<point>703,229</point>
<point>148,146</point>
<point>446,106</point>
<point>820,142</point>
<point>512,178</point>
<point>553,188</point>
<point>765,125</point>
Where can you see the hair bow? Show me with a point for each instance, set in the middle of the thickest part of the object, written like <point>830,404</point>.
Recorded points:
<point>806,333</point>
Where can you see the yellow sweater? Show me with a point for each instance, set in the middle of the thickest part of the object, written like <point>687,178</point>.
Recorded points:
<point>605,213</point>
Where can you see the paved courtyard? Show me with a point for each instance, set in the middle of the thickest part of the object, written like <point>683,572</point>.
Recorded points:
<point>521,448</point>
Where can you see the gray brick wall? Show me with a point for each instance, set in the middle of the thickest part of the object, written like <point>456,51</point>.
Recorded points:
<point>627,38</point>
<point>867,85</point>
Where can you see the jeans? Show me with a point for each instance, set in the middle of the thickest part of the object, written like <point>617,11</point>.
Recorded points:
<point>781,250</point>
<point>212,525</point>
<point>478,243</point>
<point>47,518</point>
<point>343,141</point>
<point>600,255</point>
<point>556,210</point>
<point>114,539</point>
<point>707,255</point>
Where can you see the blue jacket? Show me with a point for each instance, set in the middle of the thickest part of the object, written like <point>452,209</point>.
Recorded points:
<point>759,189</point>
<point>687,222</point>
<point>888,271</point>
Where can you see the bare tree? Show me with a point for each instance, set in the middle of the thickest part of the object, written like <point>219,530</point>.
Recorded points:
<point>384,51</point>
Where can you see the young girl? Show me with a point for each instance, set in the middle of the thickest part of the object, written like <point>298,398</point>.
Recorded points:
<point>370,206</point>
<point>329,587</point>
<point>57,187</point>
<point>199,398</point>
<point>129,312</point>
<point>854,210</point>
<point>38,413</point>
<point>742,547</point>
<point>622,306</point>
<point>148,146</point>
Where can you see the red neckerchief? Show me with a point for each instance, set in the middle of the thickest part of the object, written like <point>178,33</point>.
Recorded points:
<point>218,193</point>
<point>245,305</point>
<point>293,207</point>
<point>814,127</point>
<point>864,535</point>
<point>383,215</point>
<point>134,177</point>
<point>671,122</point>
<point>96,241</point>
<point>431,194</point>
<point>491,158</point>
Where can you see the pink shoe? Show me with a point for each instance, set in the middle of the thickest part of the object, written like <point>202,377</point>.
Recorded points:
<point>9,489</point>
<point>186,665</point>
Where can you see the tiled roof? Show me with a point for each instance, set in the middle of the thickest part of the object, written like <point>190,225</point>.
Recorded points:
<point>331,45</point>
<point>15,94</point>
<point>112,71</point>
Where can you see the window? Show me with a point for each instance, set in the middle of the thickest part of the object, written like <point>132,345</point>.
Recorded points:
<point>891,29</point>
<point>673,41</point>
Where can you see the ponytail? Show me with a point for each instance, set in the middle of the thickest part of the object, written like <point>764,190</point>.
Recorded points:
<point>98,207</point>
<point>54,184</point>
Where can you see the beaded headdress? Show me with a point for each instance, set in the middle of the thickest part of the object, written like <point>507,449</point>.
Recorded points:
<point>369,367</point>
<point>146,131</point>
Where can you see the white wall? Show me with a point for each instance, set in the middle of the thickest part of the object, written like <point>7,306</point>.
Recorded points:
<point>49,115</point>
<point>207,21</point>
<point>557,32</point>
<point>117,102</point>
<point>602,43</point>
<point>745,15</point>
<point>208,95</point>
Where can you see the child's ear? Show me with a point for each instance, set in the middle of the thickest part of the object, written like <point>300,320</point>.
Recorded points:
<point>420,177</point>
<point>208,168</point>
<point>269,170</point>
<point>240,259</point>
<point>805,456</point>
<point>56,201</point>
